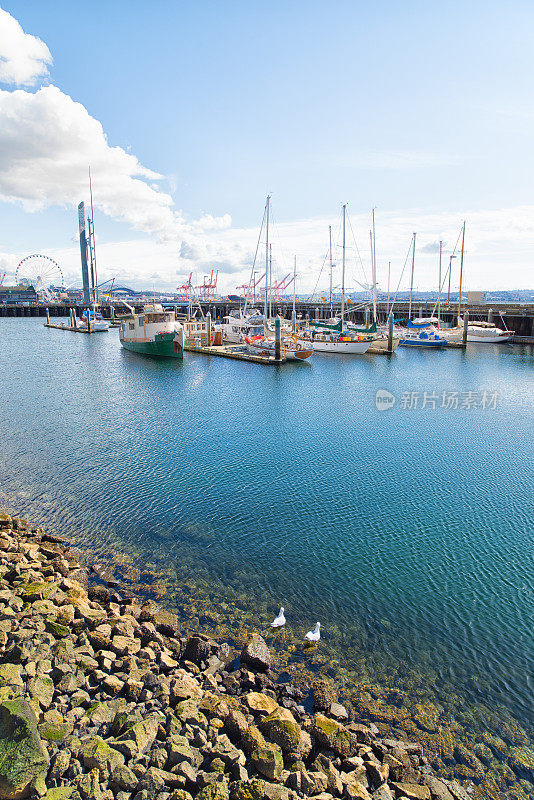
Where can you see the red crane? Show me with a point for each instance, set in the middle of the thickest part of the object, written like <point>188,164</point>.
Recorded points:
<point>185,288</point>
<point>280,289</point>
<point>2,278</point>
<point>251,287</point>
<point>209,287</point>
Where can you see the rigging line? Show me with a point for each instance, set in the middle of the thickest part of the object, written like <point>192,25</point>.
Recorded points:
<point>390,309</point>
<point>319,278</point>
<point>251,279</point>
<point>357,249</point>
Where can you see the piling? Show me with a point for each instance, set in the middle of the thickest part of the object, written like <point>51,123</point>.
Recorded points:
<point>294,322</point>
<point>47,316</point>
<point>367,317</point>
<point>466,325</point>
<point>208,333</point>
<point>278,339</point>
<point>390,333</point>
<point>490,315</point>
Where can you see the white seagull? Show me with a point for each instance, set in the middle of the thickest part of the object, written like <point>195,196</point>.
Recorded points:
<point>314,636</point>
<point>280,620</point>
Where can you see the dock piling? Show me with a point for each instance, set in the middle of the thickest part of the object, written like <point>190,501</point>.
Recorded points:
<point>208,333</point>
<point>390,332</point>
<point>278,338</point>
<point>466,325</point>
<point>47,316</point>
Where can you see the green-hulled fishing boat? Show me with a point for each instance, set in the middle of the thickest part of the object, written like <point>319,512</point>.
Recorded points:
<point>155,332</point>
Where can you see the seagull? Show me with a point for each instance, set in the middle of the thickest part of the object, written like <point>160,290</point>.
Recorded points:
<point>280,620</point>
<point>314,636</point>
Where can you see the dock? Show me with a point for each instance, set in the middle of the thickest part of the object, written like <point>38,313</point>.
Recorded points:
<point>238,352</point>
<point>66,328</point>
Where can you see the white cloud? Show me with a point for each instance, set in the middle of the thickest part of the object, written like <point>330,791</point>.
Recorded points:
<point>23,58</point>
<point>48,141</point>
<point>498,252</point>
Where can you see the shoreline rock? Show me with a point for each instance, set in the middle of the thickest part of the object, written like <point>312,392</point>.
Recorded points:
<point>120,706</point>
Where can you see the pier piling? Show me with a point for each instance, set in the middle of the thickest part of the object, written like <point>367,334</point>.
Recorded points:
<point>278,339</point>
<point>390,333</point>
<point>466,325</point>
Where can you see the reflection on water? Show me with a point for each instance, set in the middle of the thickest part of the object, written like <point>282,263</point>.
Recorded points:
<point>406,532</point>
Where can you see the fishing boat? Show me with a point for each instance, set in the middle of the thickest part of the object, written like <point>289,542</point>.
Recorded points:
<point>155,332</point>
<point>292,347</point>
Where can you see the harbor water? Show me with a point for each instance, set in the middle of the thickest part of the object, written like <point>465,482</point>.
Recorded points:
<point>389,497</point>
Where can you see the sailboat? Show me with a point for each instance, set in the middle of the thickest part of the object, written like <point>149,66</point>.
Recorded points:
<point>292,347</point>
<point>381,337</point>
<point>421,333</point>
<point>92,318</point>
<point>478,332</point>
<point>339,337</point>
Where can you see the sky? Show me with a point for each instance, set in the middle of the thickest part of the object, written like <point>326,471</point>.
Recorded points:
<point>189,114</point>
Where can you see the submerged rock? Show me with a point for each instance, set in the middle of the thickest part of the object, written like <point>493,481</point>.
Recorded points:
<point>23,757</point>
<point>256,653</point>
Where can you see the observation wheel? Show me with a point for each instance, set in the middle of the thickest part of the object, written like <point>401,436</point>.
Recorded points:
<point>39,271</point>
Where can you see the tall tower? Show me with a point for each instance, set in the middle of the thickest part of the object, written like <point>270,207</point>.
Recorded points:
<point>83,252</point>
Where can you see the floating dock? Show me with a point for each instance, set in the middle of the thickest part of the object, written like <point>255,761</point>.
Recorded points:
<point>67,328</point>
<point>236,351</point>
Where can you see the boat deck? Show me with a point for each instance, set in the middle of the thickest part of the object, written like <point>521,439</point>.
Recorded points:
<point>237,351</point>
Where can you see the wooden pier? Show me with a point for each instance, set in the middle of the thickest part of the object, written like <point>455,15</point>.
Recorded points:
<point>67,328</point>
<point>236,351</point>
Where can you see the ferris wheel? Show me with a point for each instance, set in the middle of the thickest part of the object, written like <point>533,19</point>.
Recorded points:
<point>39,271</point>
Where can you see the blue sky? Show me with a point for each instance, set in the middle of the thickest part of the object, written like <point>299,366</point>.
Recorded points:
<point>423,110</point>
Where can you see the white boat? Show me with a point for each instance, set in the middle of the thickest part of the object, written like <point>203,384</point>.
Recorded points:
<point>344,342</point>
<point>235,329</point>
<point>292,348</point>
<point>155,332</point>
<point>96,320</point>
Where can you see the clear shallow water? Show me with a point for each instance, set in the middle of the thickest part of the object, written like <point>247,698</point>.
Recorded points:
<point>407,532</point>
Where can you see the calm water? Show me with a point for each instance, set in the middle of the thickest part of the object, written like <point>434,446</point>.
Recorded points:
<point>407,531</point>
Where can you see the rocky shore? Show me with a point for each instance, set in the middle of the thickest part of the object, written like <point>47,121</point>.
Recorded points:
<point>102,697</point>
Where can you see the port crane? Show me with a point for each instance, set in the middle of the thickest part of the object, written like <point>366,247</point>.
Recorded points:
<point>280,289</point>
<point>185,288</point>
<point>209,287</point>
<point>251,286</point>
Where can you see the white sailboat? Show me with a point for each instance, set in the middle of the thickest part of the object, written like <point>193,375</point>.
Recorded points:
<point>339,338</point>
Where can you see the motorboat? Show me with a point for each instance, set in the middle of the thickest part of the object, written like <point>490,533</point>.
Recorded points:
<point>155,332</point>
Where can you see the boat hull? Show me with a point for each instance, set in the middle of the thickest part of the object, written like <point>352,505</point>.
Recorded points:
<point>345,348</point>
<point>493,339</point>
<point>165,345</point>
<point>381,344</point>
<point>435,344</point>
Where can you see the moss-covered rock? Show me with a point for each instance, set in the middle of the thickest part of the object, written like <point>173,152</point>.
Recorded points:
<point>188,711</point>
<point>282,729</point>
<point>259,702</point>
<point>95,753</point>
<point>56,629</point>
<point>143,733</point>
<point>247,790</point>
<point>54,728</point>
<point>23,757</point>
<point>41,688</point>
<point>333,735</point>
<point>62,793</point>
<point>38,590</point>
<point>268,761</point>
<point>214,791</point>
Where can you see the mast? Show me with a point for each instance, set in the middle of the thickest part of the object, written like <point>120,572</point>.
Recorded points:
<point>94,243</point>
<point>270,280</point>
<point>331,297</point>
<point>343,268</point>
<point>374,267</point>
<point>439,284</point>
<point>267,276</point>
<point>461,274</point>
<point>295,289</point>
<point>411,280</point>
<point>389,273</point>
